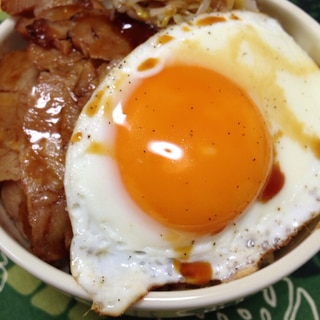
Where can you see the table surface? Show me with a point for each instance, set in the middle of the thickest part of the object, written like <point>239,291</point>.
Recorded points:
<point>297,296</point>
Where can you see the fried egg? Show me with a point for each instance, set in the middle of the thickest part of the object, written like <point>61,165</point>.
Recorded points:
<point>195,157</point>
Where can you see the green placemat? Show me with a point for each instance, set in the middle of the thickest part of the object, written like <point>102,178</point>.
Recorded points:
<point>310,6</point>
<point>3,15</point>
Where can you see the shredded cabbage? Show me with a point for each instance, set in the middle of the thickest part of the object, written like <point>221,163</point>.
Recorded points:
<point>161,13</point>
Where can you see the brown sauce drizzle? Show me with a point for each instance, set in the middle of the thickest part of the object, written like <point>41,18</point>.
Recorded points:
<point>165,38</point>
<point>99,148</point>
<point>93,106</point>
<point>274,184</point>
<point>234,17</point>
<point>148,64</point>
<point>210,20</point>
<point>198,272</point>
<point>76,137</point>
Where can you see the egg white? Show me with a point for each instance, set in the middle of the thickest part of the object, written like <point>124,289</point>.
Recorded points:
<point>118,253</point>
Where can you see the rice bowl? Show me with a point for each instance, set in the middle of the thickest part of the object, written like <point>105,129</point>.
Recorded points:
<point>183,303</point>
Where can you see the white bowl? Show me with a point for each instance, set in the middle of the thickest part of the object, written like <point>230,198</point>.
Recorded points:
<point>306,31</point>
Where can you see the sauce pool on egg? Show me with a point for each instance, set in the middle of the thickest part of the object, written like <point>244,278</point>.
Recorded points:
<point>192,148</point>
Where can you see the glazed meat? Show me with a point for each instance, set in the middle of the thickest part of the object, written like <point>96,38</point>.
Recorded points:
<point>70,46</point>
<point>14,92</point>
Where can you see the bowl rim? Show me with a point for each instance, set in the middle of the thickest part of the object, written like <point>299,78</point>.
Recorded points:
<point>192,298</point>
<point>156,300</point>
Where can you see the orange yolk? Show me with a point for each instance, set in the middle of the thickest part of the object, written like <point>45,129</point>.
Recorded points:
<point>193,151</point>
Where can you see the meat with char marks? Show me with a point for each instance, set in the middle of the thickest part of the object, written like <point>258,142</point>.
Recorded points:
<point>71,45</point>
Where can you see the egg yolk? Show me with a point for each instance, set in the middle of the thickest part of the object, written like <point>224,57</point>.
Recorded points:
<point>193,149</point>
